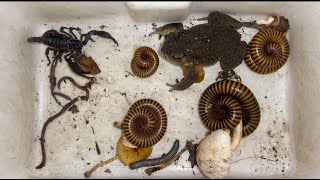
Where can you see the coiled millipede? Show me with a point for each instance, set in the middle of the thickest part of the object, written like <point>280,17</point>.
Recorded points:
<point>145,123</point>
<point>145,62</point>
<point>267,52</point>
<point>225,103</point>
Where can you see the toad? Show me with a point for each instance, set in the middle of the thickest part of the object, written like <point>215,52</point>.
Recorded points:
<point>202,45</point>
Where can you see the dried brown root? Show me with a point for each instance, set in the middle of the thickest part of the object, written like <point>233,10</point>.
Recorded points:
<point>83,88</point>
<point>53,83</point>
<point>44,128</point>
<point>61,95</point>
<point>149,171</point>
<point>52,79</point>
<point>63,110</point>
<point>88,173</point>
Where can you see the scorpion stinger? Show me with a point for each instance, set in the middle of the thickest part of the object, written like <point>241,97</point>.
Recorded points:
<point>102,34</point>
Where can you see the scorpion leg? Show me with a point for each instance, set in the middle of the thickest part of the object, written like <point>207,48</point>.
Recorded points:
<point>70,34</point>
<point>64,32</point>
<point>47,53</point>
<point>102,34</point>
<point>58,55</point>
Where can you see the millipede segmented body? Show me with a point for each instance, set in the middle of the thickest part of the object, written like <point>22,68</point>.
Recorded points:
<point>145,62</point>
<point>267,52</point>
<point>225,103</point>
<point>145,123</point>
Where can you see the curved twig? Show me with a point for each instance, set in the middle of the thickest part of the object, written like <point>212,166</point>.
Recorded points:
<point>44,128</point>
<point>88,173</point>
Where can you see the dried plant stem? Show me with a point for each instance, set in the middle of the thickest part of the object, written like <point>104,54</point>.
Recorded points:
<point>61,95</point>
<point>63,110</point>
<point>44,128</point>
<point>53,83</point>
<point>53,79</point>
<point>88,173</point>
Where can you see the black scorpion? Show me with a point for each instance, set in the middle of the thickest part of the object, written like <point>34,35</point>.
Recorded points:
<point>68,44</point>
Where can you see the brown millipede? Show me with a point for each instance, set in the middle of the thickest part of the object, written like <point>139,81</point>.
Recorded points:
<point>267,52</point>
<point>225,103</point>
<point>157,161</point>
<point>145,62</point>
<point>145,123</point>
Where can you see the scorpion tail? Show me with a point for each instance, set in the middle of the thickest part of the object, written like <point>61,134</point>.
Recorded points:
<point>35,39</point>
<point>102,34</point>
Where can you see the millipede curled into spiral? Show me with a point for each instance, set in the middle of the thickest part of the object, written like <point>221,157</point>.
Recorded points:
<point>145,62</point>
<point>267,52</point>
<point>225,103</point>
<point>145,123</point>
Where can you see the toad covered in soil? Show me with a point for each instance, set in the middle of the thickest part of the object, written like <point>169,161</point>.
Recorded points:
<point>202,45</point>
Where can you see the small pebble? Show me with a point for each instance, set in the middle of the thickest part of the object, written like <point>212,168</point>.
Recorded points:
<point>110,79</point>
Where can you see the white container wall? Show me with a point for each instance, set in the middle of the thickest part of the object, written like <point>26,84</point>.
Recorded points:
<point>285,145</point>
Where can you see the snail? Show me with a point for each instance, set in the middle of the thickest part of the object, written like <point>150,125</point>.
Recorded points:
<point>225,103</point>
<point>267,52</point>
<point>145,123</point>
<point>145,62</point>
<point>213,154</point>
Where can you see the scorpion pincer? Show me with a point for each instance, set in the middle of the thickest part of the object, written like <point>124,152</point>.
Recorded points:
<point>68,43</point>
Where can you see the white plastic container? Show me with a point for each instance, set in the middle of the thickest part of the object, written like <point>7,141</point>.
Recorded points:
<point>286,139</point>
